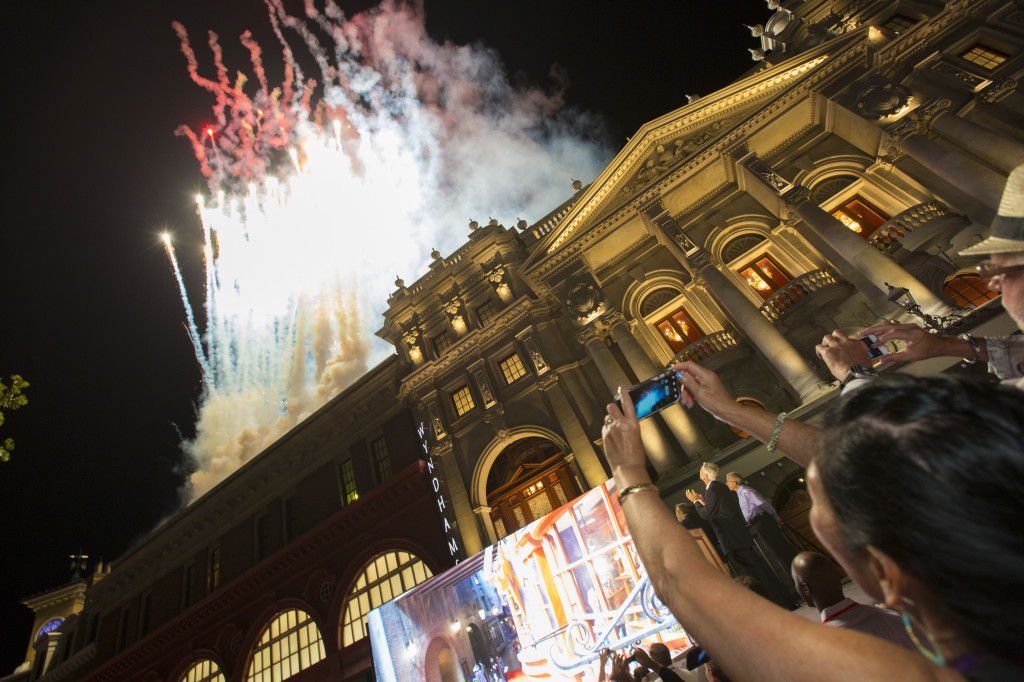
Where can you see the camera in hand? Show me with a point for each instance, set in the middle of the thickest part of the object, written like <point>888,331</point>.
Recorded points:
<point>655,394</point>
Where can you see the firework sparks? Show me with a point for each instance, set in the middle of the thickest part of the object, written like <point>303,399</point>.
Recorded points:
<point>314,202</point>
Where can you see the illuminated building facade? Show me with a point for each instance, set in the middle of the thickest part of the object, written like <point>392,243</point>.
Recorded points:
<point>869,145</point>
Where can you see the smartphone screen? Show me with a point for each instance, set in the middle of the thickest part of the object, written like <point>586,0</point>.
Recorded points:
<point>874,350</point>
<point>655,394</point>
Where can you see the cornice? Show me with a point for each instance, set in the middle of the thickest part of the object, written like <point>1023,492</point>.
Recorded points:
<point>853,56</point>
<point>901,54</point>
<point>467,349</point>
<point>334,532</point>
<point>690,118</point>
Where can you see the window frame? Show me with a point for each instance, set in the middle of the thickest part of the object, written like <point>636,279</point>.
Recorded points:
<point>286,637</point>
<point>844,207</point>
<point>505,374</point>
<point>381,459</point>
<point>754,263</point>
<point>361,594</point>
<point>348,488</point>
<point>469,404</point>
<point>684,338</point>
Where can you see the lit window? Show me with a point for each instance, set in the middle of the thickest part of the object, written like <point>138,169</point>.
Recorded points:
<point>349,494</point>
<point>463,401</point>
<point>379,448</point>
<point>213,570</point>
<point>968,290</point>
<point>512,368</point>
<point>860,216</point>
<point>487,312</point>
<point>442,341</point>
<point>898,23</point>
<point>387,576</point>
<point>751,403</point>
<point>765,275</point>
<point>289,645</point>
<point>203,671</point>
<point>679,330</point>
<point>985,57</point>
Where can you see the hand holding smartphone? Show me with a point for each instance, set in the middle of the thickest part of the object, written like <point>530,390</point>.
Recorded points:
<point>655,394</point>
<point>875,350</point>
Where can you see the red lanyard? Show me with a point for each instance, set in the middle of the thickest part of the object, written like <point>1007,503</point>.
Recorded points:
<point>836,615</point>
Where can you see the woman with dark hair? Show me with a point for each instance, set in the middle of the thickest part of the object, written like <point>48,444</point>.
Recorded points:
<point>918,490</point>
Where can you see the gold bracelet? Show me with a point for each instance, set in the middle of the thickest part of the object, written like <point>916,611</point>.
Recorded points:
<point>623,494</point>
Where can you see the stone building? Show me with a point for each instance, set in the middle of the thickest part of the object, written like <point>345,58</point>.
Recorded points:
<point>868,146</point>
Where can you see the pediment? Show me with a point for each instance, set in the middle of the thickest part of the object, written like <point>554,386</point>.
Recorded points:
<point>685,137</point>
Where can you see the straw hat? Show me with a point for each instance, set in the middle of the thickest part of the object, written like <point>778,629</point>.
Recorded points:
<point>1008,226</point>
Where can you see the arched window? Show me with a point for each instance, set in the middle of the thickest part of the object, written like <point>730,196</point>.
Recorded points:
<point>203,671</point>
<point>678,329</point>
<point>384,578</point>
<point>765,275</point>
<point>968,290</point>
<point>289,645</point>
<point>860,216</point>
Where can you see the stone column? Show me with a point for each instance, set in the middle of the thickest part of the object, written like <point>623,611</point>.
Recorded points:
<point>484,521</point>
<point>572,429</point>
<point>679,420</point>
<point>857,261</point>
<point>1002,152</point>
<point>958,169</point>
<point>744,314</point>
<point>443,453</point>
<point>659,451</point>
<point>759,330</point>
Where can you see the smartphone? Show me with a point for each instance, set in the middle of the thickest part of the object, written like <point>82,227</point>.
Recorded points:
<point>875,351</point>
<point>655,394</point>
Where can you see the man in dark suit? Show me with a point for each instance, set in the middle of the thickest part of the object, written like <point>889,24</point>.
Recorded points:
<point>721,507</point>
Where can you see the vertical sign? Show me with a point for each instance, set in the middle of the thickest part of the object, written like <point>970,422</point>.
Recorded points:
<point>440,490</point>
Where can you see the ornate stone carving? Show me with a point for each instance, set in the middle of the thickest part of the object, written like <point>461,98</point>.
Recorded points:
<point>535,356</point>
<point>699,259</point>
<point>917,122</point>
<point>880,99</point>
<point>998,90</point>
<point>435,421</point>
<point>485,388</point>
<point>583,300</point>
<point>590,333</point>
<point>548,382</point>
<point>767,174</point>
<point>958,74</point>
<point>796,196</point>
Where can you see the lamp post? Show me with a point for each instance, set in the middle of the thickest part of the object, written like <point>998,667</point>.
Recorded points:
<point>902,297</point>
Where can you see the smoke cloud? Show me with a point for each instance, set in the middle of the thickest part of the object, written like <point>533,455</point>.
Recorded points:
<point>322,189</point>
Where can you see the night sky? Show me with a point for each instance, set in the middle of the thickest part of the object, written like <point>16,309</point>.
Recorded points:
<point>91,312</point>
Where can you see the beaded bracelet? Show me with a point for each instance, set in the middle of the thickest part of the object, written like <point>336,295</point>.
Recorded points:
<point>623,494</point>
<point>777,431</point>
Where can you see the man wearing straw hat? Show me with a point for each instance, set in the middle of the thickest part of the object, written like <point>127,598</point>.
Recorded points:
<point>1002,272</point>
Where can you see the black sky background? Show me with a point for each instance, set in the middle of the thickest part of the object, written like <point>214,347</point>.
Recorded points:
<point>91,317</point>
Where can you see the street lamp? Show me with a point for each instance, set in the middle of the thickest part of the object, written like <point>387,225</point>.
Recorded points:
<point>902,297</point>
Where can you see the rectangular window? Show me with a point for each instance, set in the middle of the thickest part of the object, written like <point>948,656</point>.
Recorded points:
<point>860,216</point>
<point>349,494</point>
<point>187,582</point>
<point>262,537</point>
<point>443,341</point>
<point>679,330</point>
<point>213,570</point>
<point>985,57</point>
<point>122,630</point>
<point>765,275</point>
<point>147,605</point>
<point>462,400</point>
<point>512,368</point>
<point>381,461</point>
<point>288,512</point>
<point>487,312</point>
<point>898,23</point>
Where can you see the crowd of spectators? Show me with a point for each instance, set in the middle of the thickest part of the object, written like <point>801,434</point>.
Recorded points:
<point>917,489</point>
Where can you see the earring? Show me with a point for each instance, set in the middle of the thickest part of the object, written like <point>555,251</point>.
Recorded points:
<point>909,623</point>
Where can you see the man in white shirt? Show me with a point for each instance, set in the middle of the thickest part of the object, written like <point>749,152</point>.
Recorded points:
<point>818,582</point>
<point>759,513</point>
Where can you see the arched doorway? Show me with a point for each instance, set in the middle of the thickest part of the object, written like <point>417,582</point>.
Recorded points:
<point>528,479</point>
<point>442,663</point>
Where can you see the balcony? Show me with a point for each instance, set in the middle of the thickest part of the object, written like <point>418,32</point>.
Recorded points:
<point>917,227</point>
<point>713,351</point>
<point>796,292</point>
